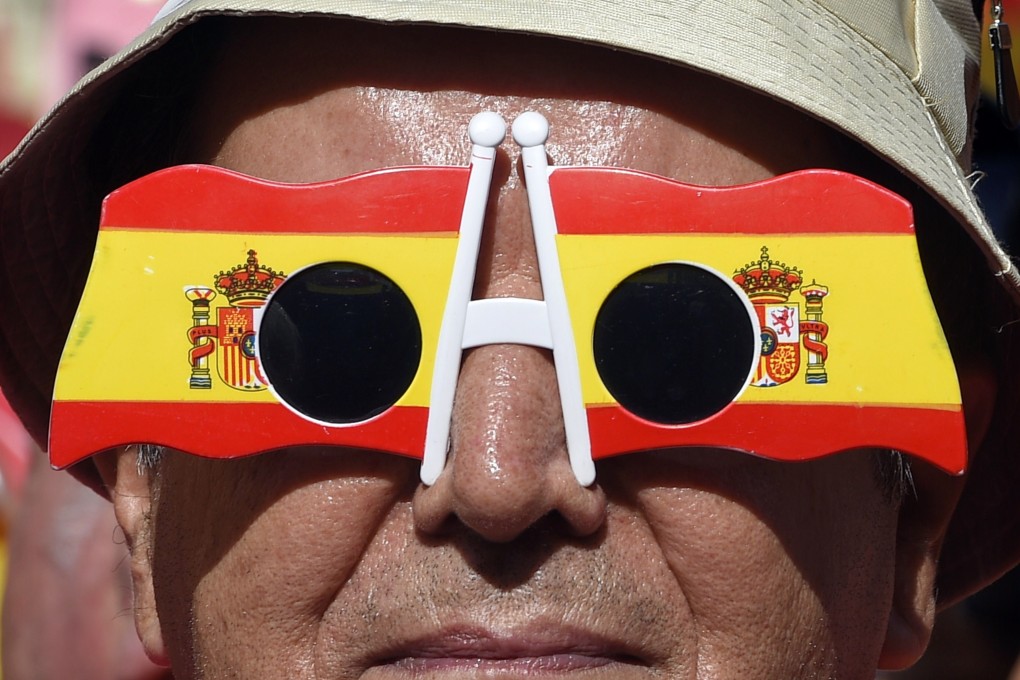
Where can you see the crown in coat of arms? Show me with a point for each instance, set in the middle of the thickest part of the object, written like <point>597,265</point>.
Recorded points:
<point>248,284</point>
<point>767,280</point>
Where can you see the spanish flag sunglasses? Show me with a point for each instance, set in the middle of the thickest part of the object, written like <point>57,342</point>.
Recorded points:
<point>226,315</point>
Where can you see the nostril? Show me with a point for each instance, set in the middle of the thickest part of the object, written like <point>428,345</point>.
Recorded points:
<point>515,562</point>
<point>495,529</point>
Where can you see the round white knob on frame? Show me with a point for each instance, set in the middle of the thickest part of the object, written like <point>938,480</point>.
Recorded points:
<point>487,129</point>
<point>531,129</point>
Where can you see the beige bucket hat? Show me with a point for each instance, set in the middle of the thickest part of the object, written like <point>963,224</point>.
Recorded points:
<point>899,76</point>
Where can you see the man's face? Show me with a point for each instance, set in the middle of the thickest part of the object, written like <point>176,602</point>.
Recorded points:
<point>330,563</point>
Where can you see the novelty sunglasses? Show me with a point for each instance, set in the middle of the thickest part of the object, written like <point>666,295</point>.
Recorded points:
<point>226,315</point>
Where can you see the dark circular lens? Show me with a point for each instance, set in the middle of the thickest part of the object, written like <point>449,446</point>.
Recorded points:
<point>674,343</point>
<point>339,342</point>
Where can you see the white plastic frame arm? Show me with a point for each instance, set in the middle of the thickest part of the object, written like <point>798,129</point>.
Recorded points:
<point>487,131</point>
<point>530,131</point>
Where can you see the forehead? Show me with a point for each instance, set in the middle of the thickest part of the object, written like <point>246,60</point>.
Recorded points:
<point>312,99</point>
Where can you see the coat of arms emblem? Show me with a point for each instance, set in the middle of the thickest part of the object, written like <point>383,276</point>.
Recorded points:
<point>232,336</point>
<point>785,327</point>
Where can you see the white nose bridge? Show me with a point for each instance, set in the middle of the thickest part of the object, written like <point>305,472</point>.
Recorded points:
<point>540,323</point>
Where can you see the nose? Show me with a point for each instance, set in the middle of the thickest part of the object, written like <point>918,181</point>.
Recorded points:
<point>508,465</point>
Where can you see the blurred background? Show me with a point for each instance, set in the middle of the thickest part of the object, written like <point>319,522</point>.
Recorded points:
<point>66,605</point>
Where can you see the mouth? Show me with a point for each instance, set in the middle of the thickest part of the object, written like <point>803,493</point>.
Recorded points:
<point>529,653</point>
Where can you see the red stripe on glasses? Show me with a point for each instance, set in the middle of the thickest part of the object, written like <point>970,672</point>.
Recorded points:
<point>793,432</point>
<point>618,201</point>
<point>206,198</point>
<point>221,430</point>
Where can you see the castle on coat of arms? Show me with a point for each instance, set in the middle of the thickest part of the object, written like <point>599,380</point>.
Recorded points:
<point>769,284</point>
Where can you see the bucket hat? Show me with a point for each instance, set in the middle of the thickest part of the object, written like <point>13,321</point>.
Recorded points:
<point>898,76</point>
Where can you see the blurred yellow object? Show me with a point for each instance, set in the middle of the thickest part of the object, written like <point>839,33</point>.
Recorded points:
<point>1010,11</point>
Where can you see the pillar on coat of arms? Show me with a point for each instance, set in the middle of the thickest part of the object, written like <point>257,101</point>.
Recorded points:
<point>201,345</point>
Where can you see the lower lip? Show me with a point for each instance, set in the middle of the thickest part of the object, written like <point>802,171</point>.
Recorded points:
<point>523,665</point>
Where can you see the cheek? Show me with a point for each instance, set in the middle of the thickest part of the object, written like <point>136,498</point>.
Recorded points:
<point>247,568</point>
<point>782,568</point>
